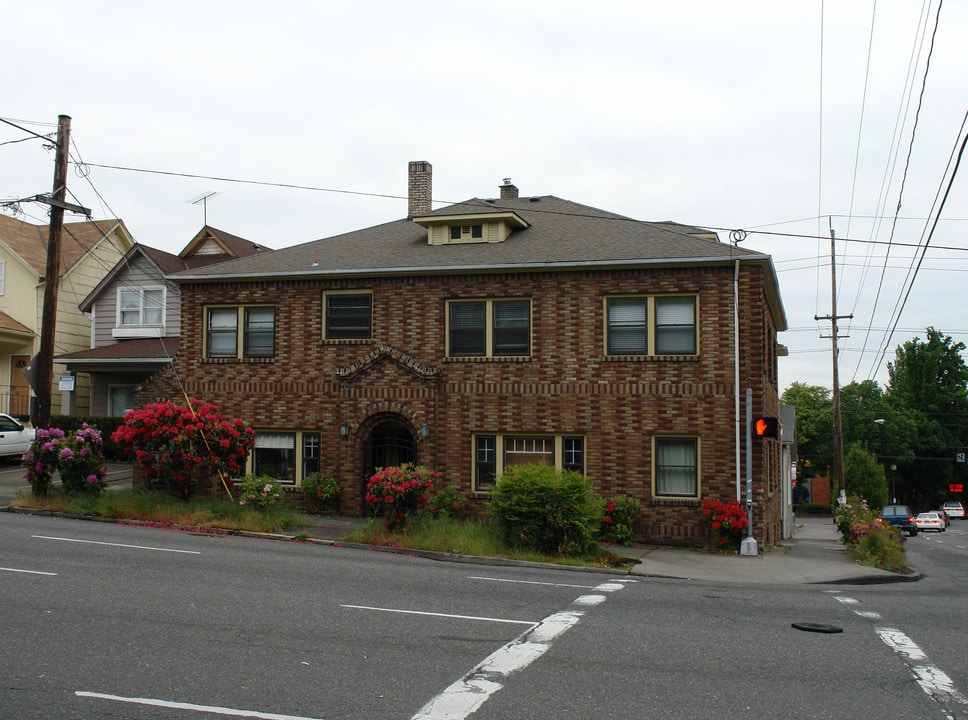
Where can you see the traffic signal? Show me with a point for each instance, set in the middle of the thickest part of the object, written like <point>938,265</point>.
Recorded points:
<point>766,427</point>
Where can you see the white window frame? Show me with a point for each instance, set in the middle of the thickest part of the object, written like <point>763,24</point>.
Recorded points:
<point>145,325</point>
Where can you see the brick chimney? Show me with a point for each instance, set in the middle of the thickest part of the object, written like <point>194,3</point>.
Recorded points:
<point>508,190</point>
<point>420,188</point>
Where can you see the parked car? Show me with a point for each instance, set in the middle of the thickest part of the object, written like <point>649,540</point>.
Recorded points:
<point>15,438</point>
<point>900,517</point>
<point>954,509</point>
<point>929,521</point>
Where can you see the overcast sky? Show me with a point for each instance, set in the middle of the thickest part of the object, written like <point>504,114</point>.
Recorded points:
<point>785,119</point>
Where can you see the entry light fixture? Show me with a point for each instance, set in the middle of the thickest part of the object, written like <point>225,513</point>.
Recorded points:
<point>425,431</point>
<point>344,430</point>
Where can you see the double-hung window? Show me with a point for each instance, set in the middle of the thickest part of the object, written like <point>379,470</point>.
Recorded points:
<point>651,325</point>
<point>140,307</point>
<point>348,316</point>
<point>489,328</point>
<point>252,328</point>
<point>676,467</point>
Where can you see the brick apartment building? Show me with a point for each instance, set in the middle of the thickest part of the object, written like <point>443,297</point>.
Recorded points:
<point>494,332</point>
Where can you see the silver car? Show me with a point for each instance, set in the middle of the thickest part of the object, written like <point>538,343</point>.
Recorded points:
<point>15,438</point>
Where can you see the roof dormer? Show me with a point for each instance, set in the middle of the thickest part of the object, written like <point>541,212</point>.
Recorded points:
<point>488,227</point>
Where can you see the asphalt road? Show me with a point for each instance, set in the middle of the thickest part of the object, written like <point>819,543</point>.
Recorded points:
<point>106,621</point>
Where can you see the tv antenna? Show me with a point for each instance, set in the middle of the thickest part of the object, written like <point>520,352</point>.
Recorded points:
<point>203,199</point>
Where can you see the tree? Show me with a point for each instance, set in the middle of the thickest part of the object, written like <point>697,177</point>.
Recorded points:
<point>929,387</point>
<point>863,476</point>
<point>814,429</point>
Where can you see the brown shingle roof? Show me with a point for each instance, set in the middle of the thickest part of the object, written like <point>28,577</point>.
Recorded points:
<point>29,241</point>
<point>560,233</point>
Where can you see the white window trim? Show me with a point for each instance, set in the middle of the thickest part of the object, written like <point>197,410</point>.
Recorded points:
<point>142,329</point>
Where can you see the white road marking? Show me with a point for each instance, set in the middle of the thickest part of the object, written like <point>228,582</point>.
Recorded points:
<point>932,680</point>
<point>466,695</point>
<point>443,615</point>
<point>29,572</point>
<point>215,710</point>
<point>845,600</point>
<point>528,582</point>
<point>96,542</point>
<point>870,614</point>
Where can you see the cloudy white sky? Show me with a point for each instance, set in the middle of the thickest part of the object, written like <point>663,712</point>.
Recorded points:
<point>782,119</point>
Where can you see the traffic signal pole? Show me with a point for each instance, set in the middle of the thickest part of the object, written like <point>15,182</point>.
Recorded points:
<point>748,545</point>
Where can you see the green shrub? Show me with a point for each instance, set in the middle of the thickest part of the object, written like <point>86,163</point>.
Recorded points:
<point>546,510</point>
<point>811,509</point>
<point>322,490</point>
<point>878,545</point>
<point>445,502</point>
<point>261,491</point>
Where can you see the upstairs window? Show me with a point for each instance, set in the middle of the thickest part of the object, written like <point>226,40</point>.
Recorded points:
<point>223,337</point>
<point>463,232</point>
<point>646,325</point>
<point>489,328</point>
<point>348,316</point>
<point>141,307</point>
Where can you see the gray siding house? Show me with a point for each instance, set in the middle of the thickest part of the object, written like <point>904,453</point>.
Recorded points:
<point>136,316</point>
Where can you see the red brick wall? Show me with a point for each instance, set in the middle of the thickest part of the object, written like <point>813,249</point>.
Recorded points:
<point>567,386</point>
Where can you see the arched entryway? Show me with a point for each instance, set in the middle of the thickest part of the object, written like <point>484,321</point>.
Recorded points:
<point>390,442</point>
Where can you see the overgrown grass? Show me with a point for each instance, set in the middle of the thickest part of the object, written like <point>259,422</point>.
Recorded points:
<point>158,507</point>
<point>472,537</point>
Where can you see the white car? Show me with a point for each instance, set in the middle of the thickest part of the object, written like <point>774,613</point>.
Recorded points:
<point>954,509</point>
<point>929,521</point>
<point>15,438</point>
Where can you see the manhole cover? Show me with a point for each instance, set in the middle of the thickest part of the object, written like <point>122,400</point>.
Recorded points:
<point>817,628</point>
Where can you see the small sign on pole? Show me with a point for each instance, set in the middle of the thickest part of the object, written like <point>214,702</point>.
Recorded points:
<point>66,383</point>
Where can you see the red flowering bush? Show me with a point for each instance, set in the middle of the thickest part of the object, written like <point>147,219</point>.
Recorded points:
<point>618,519</point>
<point>177,446</point>
<point>396,492</point>
<point>727,522</point>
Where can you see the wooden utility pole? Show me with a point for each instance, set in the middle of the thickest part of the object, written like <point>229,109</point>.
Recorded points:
<point>45,358</point>
<point>837,465</point>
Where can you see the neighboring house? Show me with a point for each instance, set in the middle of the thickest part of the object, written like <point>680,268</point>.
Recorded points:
<point>136,316</point>
<point>492,333</point>
<point>88,251</point>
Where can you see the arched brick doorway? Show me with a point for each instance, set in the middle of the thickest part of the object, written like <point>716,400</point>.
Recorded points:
<point>390,441</point>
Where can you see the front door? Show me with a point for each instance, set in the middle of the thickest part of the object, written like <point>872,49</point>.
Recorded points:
<point>391,443</point>
<point>19,388</point>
